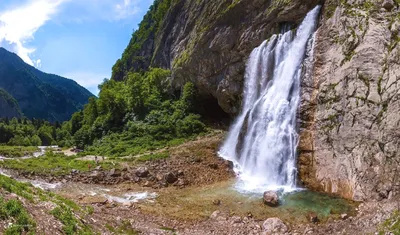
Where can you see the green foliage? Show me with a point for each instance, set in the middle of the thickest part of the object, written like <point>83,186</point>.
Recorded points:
<point>24,132</point>
<point>13,210</point>
<point>17,151</point>
<point>51,164</point>
<point>136,115</point>
<point>391,225</point>
<point>132,59</point>
<point>10,106</point>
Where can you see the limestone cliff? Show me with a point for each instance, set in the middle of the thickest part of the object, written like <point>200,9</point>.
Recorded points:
<point>350,89</point>
<point>208,42</point>
<point>351,110</point>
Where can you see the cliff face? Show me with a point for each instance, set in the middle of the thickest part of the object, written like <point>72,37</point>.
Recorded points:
<point>208,42</point>
<point>351,109</point>
<point>350,88</point>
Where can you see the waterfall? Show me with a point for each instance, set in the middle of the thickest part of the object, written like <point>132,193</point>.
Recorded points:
<point>263,140</point>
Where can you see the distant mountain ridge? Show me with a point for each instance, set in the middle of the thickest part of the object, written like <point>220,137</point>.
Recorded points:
<point>38,94</point>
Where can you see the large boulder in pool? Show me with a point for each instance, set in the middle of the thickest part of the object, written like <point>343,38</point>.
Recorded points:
<point>271,198</point>
<point>274,226</point>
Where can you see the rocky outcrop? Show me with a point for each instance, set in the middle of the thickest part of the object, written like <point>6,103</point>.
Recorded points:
<point>350,119</point>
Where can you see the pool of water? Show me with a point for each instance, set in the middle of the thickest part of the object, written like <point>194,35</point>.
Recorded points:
<point>195,203</point>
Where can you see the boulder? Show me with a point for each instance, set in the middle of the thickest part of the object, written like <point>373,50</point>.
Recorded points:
<point>313,217</point>
<point>274,226</point>
<point>271,198</point>
<point>114,173</point>
<point>170,178</point>
<point>388,5</point>
<point>142,172</point>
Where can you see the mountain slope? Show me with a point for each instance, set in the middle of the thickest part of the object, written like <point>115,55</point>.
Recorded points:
<point>8,105</point>
<point>40,95</point>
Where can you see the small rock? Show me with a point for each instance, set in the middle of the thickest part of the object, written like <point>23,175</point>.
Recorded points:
<point>170,178</point>
<point>388,5</point>
<point>213,166</point>
<point>114,173</point>
<point>344,216</point>
<point>75,171</point>
<point>313,217</point>
<point>97,168</point>
<point>215,214</point>
<point>271,198</point>
<point>274,226</point>
<point>236,219</point>
<point>147,184</point>
<point>142,172</point>
<point>217,202</point>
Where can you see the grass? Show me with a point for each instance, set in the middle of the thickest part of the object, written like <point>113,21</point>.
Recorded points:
<point>17,151</point>
<point>125,228</point>
<point>54,164</point>
<point>66,211</point>
<point>122,145</point>
<point>391,225</point>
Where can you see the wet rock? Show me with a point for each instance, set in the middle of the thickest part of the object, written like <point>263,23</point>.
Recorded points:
<point>312,217</point>
<point>388,5</point>
<point>229,164</point>
<point>271,198</point>
<point>274,226</point>
<point>170,178</point>
<point>142,172</point>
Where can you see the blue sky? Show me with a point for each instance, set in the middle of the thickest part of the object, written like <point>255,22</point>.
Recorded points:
<point>77,39</point>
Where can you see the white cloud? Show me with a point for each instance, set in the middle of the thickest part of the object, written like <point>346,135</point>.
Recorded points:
<point>18,26</point>
<point>126,9</point>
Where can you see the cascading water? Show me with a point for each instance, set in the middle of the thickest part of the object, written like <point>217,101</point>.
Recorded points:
<point>263,140</point>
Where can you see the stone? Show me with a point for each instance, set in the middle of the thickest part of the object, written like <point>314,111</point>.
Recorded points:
<point>313,218</point>
<point>388,5</point>
<point>142,172</point>
<point>97,168</point>
<point>75,171</point>
<point>215,214</point>
<point>114,173</point>
<point>344,216</point>
<point>217,202</point>
<point>236,219</point>
<point>274,226</point>
<point>271,198</point>
<point>170,178</point>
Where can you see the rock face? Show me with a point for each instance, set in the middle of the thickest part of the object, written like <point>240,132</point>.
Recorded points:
<point>208,42</point>
<point>271,198</point>
<point>350,115</point>
<point>274,226</point>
